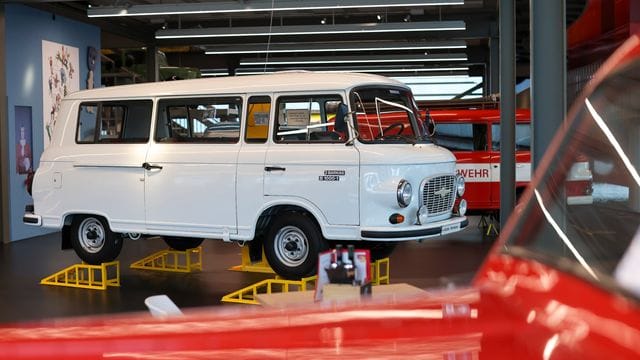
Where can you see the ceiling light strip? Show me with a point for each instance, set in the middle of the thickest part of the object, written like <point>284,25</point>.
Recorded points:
<point>354,60</point>
<point>225,7</point>
<point>310,29</point>
<point>329,47</point>
<point>364,70</point>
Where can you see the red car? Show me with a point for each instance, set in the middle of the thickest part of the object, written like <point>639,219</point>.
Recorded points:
<point>562,282</point>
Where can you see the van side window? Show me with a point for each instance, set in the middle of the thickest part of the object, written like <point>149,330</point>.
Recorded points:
<point>114,121</point>
<point>523,137</point>
<point>87,115</point>
<point>211,120</point>
<point>307,119</point>
<point>462,137</point>
<point>258,112</point>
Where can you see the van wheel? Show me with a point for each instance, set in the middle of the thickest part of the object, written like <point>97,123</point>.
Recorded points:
<point>93,240</point>
<point>293,244</point>
<point>182,243</point>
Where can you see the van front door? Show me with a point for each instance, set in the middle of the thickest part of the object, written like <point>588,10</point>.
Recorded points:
<point>191,167</point>
<point>309,161</point>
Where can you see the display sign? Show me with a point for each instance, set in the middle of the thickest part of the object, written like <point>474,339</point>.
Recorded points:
<point>298,117</point>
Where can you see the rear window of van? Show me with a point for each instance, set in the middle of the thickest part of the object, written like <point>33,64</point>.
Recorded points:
<point>114,121</point>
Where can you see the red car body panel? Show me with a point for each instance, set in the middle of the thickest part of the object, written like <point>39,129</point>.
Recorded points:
<point>518,310</point>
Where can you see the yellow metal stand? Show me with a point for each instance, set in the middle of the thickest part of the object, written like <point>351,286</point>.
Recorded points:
<point>86,276</point>
<point>247,295</point>
<point>380,272</point>
<point>247,265</point>
<point>172,261</point>
<point>488,223</point>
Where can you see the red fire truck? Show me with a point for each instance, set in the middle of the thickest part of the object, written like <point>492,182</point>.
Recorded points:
<point>472,131</point>
<point>473,134</point>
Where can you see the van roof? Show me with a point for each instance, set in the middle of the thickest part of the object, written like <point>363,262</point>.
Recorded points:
<point>276,82</point>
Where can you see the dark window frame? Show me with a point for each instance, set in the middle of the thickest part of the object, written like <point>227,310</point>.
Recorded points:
<point>321,99</point>
<point>99,105</point>
<point>164,104</point>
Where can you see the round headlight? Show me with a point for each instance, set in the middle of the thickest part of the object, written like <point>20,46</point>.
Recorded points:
<point>460,185</point>
<point>462,207</point>
<point>405,192</point>
<point>423,214</point>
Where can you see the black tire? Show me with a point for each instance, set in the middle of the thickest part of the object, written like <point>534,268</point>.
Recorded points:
<point>93,240</point>
<point>182,243</point>
<point>292,246</point>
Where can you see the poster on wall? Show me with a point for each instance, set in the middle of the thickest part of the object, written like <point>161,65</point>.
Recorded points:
<point>24,157</point>
<point>60,64</point>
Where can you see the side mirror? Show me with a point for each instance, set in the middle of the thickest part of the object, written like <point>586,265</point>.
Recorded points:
<point>340,120</point>
<point>430,125</point>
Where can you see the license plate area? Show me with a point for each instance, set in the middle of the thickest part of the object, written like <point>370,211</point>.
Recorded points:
<point>447,229</point>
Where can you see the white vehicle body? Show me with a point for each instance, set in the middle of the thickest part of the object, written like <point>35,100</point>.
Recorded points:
<point>234,188</point>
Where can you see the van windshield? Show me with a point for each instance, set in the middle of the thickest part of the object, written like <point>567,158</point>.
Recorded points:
<point>386,115</point>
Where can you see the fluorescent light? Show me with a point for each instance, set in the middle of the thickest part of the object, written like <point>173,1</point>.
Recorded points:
<point>333,47</point>
<point>254,71</point>
<point>218,32</point>
<point>225,7</point>
<point>207,74</point>
<point>355,59</point>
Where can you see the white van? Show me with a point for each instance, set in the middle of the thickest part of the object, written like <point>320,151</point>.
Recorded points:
<point>294,160</point>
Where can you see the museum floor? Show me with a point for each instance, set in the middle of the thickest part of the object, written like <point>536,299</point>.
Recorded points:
<point>450,260</point>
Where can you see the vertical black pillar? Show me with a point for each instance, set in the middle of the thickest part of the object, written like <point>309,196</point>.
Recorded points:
<point>494,65</point>
<point>153,69</point>
<point>507,109</point>
<point>4,137</point>
<point>548,73</point>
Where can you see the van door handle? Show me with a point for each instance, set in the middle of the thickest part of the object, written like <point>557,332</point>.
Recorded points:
<point>274,168</point>
<point>148,166</point>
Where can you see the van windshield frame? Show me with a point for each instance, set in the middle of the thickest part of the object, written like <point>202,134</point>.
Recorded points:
<point>386,115</point>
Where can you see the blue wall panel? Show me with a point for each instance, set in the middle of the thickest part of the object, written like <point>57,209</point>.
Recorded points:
<point>25,29</point>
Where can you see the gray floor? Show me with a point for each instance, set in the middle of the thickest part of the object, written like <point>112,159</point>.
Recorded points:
<point>450,260</point>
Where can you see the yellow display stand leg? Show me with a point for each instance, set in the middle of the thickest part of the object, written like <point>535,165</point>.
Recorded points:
<point>247,265</point>
<point>85,276</point>
<point>172,261</point>
<point>380,272</point>
<point>489,224</point>
<point>247,295</point>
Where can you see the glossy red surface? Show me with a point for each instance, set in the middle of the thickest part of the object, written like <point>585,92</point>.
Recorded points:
<point>519,309</point>
<point>602,27</point>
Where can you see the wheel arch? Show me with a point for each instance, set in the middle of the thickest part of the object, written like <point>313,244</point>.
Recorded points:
<point>265,218</point>
<point>67,220</point>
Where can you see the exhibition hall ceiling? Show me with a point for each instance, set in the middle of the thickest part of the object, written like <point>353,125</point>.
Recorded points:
<point>393,36</point>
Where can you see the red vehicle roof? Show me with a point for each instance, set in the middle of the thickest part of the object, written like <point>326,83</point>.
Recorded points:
<point>493,115</point>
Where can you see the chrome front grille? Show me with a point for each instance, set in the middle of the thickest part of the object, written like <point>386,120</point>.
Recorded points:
<point>438,194</point>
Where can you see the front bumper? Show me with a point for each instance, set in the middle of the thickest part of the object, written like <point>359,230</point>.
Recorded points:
<point>415,232</point>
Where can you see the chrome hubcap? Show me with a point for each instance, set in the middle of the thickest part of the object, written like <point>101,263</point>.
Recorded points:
<point>91,235</point>
<point>291,246</point>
